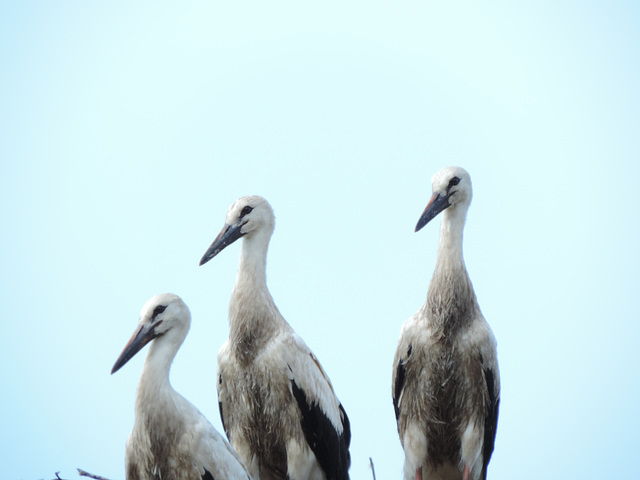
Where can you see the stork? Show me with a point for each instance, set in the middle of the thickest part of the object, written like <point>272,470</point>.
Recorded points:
<point>170,437</point>
<point>278,406</point>
<point>446,383</point>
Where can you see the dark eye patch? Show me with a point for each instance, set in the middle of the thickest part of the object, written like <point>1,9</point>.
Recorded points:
<point>246,211</point>
<point>454,181</point>
<point>158,310</point>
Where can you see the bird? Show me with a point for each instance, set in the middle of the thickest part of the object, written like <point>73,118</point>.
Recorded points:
<point>278,406</point>
<point>170,437</point>
<point>445,381</point>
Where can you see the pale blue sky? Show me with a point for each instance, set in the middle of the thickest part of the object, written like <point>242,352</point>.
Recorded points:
<point>126,130</point>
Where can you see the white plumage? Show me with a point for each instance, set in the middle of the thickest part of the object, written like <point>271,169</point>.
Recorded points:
<point>171,439</point>
<point>446,383</point>
<point>277,404</point>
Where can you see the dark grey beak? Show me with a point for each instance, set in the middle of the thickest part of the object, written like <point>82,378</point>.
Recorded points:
<point>228,235</point>
<point>143,335</point>
<point>437,204</point>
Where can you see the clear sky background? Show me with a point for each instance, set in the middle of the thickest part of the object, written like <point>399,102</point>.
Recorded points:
<point>128,128</point>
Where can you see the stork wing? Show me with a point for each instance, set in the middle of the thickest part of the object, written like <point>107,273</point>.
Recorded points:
<point>410,331</point>
<point>398,380</point>
<point>210,454</point>
<point>323,419</point>
<point>215,457</point>
<point>491,418</point>
<point>223,356</point>
<point>485,343</point>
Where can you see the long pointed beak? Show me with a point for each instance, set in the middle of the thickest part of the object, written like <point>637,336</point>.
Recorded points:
<point>143,335</point>
<point>228,235</point>
<point>437,204</point>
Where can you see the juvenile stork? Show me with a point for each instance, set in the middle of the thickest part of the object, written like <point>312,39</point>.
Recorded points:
<point>171,439</point>
<point>446,384</point>
<point>278,407</point>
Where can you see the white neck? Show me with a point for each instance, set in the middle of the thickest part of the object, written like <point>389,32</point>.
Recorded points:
<point>450,299</point>
<point>451,233</point>
<point>253,315</point>
<point>154,382</point>
<point>253,260</point>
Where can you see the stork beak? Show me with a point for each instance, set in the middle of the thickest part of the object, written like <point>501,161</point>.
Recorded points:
<point>143,335</point>
<point>228,235</point>
<point>437,204</point>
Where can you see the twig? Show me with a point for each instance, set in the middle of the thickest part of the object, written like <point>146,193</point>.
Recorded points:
<point>373,469</point>
<point>82,473</point>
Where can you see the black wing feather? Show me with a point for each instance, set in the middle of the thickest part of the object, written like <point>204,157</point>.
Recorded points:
<point>221,413</point>
<point>331,450</point>
<point>222,420</point>
<point>207,475</point>
<point>490,421</point>
<point>397,388</point>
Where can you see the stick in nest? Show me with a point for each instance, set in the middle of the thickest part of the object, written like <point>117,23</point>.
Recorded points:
<point>82,473</point>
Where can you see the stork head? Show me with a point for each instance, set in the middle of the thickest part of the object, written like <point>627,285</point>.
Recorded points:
<point>451,187</point>
<point>161,314</point>
<point>248,217</point>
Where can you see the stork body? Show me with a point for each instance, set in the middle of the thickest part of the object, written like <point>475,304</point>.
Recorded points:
<point>278,406</point>
<point>446,383</point>
<point>171,439</point>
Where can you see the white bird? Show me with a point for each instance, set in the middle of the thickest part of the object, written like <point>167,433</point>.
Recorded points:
<point>446,383</point>
<point>278,406</point>
<point>171,439</point>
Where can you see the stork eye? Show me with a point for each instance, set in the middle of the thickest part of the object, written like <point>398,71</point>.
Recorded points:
<point>246,211</point>
<point>158,310</point>
<point>453,181</point>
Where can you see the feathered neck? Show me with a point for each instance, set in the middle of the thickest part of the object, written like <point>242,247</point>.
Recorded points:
<point>253,315</point>
<point>451,300</point>
<point>154,387</point>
